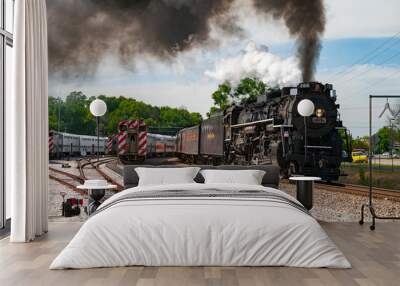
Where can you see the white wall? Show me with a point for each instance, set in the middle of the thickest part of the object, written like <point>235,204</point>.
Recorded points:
<point>8,85</point>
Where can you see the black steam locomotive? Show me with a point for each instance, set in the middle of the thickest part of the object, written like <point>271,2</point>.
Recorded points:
<point>270,130</point>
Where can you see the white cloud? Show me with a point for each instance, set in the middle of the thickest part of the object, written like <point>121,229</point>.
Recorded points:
<point>344,19</point>
<point>257,62</point>
<point>361,18</point>
<point>181,82</point>
<point>260,28</point>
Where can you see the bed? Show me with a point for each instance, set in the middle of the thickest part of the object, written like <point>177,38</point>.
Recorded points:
<point>197,224</point>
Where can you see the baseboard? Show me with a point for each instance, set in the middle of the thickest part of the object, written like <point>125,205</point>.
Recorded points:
<point>5,231</point>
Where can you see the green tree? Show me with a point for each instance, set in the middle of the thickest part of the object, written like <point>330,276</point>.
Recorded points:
<point>360,143</point>
<point>56,108</point>
<point>75,116</point>
<point>220,98</point>
<point>213,109</point>
<point>385,138</point>
<point>174,117</point>
<point>249,89</point>
<point>221,95</point>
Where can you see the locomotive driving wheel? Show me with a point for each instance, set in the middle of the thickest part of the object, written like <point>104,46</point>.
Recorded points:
<point>283,164</point>
<point>292,170</point>
<point>289,170</point>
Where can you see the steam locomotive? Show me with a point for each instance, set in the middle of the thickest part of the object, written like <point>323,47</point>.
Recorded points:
<point>270,130</point>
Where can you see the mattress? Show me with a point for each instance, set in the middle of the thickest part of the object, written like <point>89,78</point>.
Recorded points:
<point>201,225</point>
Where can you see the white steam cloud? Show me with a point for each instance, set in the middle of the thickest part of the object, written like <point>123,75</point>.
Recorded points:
<point>259,63</point>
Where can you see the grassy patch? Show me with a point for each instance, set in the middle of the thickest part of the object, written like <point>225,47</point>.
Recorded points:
<point>382,177</point>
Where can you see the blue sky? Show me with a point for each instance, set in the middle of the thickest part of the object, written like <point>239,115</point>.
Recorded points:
<point>343,52</point>
<point>354,29</point>
<point>377,73</point>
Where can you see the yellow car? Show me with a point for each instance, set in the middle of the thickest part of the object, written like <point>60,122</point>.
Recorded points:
<point>359,157</point>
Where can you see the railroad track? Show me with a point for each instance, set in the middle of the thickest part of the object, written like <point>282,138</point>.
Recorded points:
<point>358,190</point>
<point>80,168</point>
<point>67,184</point>
<point>97,165</point>
<point>114,168</point>
<point>82,177</point>
<point>363,191</point>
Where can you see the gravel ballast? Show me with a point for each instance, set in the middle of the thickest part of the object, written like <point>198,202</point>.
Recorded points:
<point>328,206</point>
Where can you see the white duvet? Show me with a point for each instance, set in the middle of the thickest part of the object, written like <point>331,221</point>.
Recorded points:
<point>200,231</point>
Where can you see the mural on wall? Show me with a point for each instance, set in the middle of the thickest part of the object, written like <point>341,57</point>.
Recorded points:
<point>210,82</point>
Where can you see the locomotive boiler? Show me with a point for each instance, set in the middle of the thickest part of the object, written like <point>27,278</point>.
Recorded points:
<point>269,130</point>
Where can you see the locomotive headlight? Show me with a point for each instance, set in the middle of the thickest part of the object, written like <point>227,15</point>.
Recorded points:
<point>320,112</point>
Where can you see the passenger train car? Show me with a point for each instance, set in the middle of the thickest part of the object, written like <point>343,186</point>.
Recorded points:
<point>160,145</point>
<point>63,144</point>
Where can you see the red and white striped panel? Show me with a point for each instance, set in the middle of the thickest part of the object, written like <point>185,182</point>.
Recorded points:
<point>110,143</point>
<point>142,143</point>
<point>133,124</point>
<point>51,144</point>
<point>123,122</point>
<point>122,144</point>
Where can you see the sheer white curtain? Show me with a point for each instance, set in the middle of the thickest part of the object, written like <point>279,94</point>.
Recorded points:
<point>27,123</point>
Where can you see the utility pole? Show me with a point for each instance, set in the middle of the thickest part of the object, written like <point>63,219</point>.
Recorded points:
<point>98,108</point>
<point>58,125</point>
<point>391,141</point>
<point>59,113</point>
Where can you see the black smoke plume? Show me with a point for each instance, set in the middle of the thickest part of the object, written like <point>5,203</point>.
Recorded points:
<point>305,20</point>
<point>82,32</point>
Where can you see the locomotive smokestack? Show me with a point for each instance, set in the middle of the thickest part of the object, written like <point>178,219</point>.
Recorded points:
<point>82,32</point>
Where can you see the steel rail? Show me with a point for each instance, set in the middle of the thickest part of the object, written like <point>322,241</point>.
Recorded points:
<point>115,169</point>
<point>67,184</point>
<point>358,190</point>
<point>72,176</point>
<point>104,175</point>
<point>82,174</point>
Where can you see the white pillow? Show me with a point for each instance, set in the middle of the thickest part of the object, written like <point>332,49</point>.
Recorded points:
<point>248,177</point>
<point>166,176</point>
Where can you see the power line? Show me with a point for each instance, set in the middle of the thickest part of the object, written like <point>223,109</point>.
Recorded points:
<point>367,56</point>
<point>360,127</point>
<point>377,82</point>
<point>363,72</point>
<point>358,107</point>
